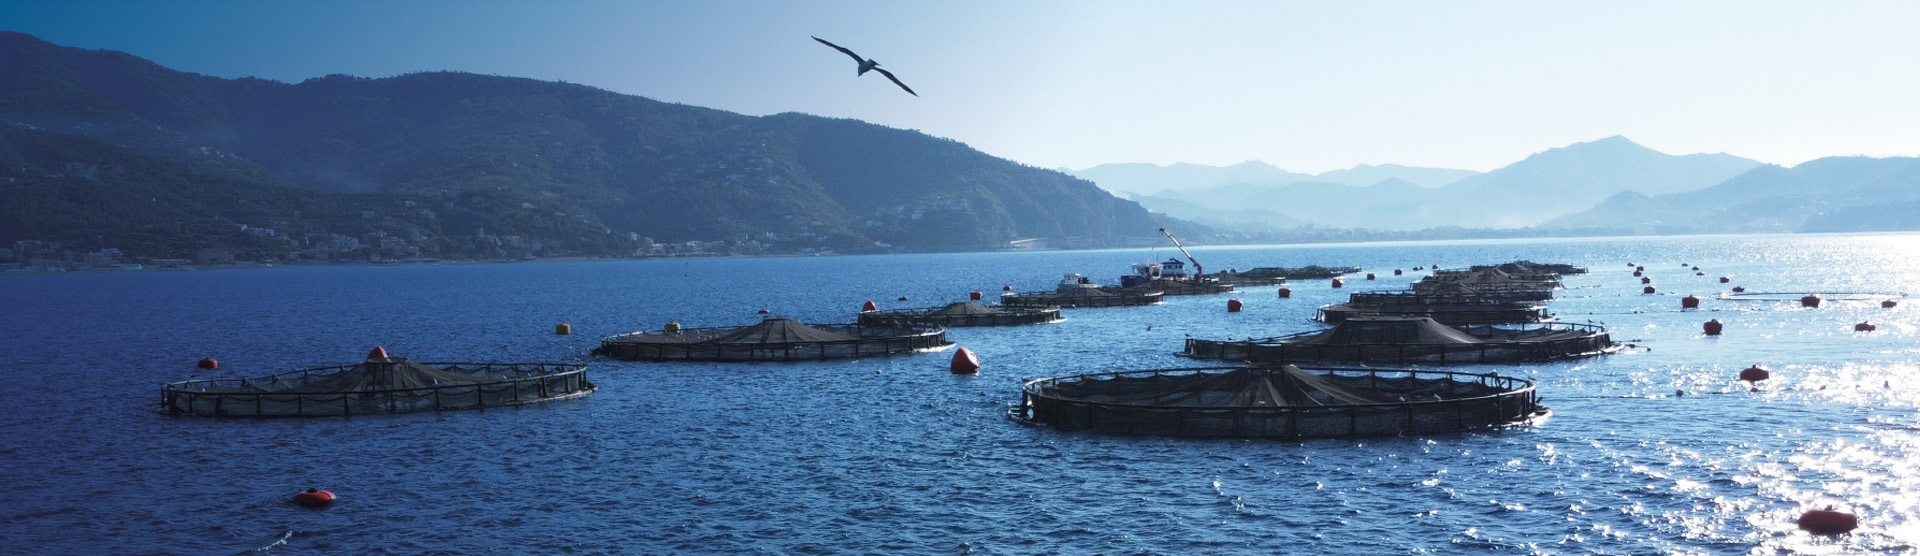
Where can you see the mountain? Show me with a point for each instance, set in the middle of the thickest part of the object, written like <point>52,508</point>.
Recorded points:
<point>1835,194</point>
<point>464,165</point>
<point>1370,174</point>
<point>1148,179</point>
<point>1569,179</point>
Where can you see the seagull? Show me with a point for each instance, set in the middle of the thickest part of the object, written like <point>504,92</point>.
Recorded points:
<point>868,64</point>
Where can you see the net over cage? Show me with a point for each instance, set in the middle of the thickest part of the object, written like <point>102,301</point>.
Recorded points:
<point>963,313</point>
<point>382,384</point>
<point>773,339</point>
<point>1278,401</point>
<point>1404,339</point>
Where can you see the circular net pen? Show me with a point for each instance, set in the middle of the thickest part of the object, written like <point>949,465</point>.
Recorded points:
<point>964,313</point>
<point>1170,286</point>
<point>1407,340</point>
<point>1444,309</point>
<point>1085,297</point>
<point>382,384</point>
<point>1491,281</point>
<point>1279,401</point>
<point>773,339</point>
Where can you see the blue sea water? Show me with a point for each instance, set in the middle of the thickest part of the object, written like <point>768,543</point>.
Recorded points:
<point>895,455</point>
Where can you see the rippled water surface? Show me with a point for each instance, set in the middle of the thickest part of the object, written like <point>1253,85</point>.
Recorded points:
<point>1659,449</point>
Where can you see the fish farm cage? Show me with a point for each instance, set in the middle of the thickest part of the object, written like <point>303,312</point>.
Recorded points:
<point>1409,340</point>
<point>392,386</point>
<point>774,339</point>
<point>964,313</point>
<point>1279,401</point>
<point>1090,297</point>
<point>1443,313</point>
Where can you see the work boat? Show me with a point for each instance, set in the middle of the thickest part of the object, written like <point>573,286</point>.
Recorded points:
<point>1075,283</point>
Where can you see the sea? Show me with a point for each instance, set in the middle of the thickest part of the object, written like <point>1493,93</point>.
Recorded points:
<point>1657,449</point>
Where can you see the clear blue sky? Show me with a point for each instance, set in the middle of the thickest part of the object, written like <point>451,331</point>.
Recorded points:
<point>1307,86</point>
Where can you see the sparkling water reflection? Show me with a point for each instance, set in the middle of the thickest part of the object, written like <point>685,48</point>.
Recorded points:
<point>1660,449</point>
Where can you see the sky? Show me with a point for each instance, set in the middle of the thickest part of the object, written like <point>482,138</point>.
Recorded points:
<point>1306,86</point>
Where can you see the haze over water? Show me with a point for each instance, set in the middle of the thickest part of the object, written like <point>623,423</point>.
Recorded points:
<point>896,455</point>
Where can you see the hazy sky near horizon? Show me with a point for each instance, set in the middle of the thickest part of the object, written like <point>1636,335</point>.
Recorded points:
<point>1306,86</point>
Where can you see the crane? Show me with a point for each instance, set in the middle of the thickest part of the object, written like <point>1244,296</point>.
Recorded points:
<point>1197,271</point>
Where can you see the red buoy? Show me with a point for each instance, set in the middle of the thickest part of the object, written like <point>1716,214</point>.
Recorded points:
<point>1711,328</point>
<point>1810,300</point>
<point>965,362</point>
<point>1396,272</point>
<point>1286,292</point>
<point>1006,288</point>
<point>209,363</point>
<point>1689,302</point>
<point>974,296</point>
<point>1369,275</point>
<point>1636,273</point>
<point>1639,269</point>
<point>1888,304</point>
<point>378,355</point>
<point>1828,521</point>
<point>869,306</point>
<point>764,311</point>
<point>1646,280</point>
<point>1724,279</point>
<point>1648,289</point>
<point>1863,327</point>
<point>1233,305</point>
<point>1753,374</point>
<point>1337,283</point>
<point>314,498</point>
<point>1738,289</point>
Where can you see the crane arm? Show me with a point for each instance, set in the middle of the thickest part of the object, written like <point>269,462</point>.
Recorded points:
<point>1197,271</point>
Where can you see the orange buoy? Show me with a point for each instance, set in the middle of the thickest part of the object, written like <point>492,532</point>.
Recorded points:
<point>378,355</point>
<point>1648,289</point>
<point>1337,283</point>
<point>314,498</point>
<point>1396,272</point>
<point>1724,279</point>
<point>1646,280</point>
<point>1369,275</point>
<point>1810,300</point>
<point>1753,374</point>
<point>1738,289</point>
<point>1636,273</point>
<point>1863,327</point>
<point>1888,304</point>
<point>1286,292</point>
<point>869,306</point>
<point>1233,305</point>
<point>209,363</point>
<point>965,362</point>
<point>974,296</point>
<point>563,329</point>
<point>1689,302</point>
<point>1711,328</point>
<point>1828,521</point>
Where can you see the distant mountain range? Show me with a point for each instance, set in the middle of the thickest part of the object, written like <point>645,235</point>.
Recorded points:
<point>104,149</point>
<point>1606,186</point>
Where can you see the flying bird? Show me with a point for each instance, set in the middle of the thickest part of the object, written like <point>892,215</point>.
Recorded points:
<point>867,64</point>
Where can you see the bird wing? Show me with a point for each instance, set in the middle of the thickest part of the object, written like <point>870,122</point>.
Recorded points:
<point>856,57</point>
<point>895,80</point>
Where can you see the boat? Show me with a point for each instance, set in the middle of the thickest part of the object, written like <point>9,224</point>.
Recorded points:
<point>1075,290</point>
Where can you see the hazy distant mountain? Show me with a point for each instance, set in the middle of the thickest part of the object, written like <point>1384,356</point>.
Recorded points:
<point>1243,219</point>
<point>1370,174</point>
<point>1148,179</point>
<point>1833,194</point>
<point>465,164</point>
<point>1545,185</point>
